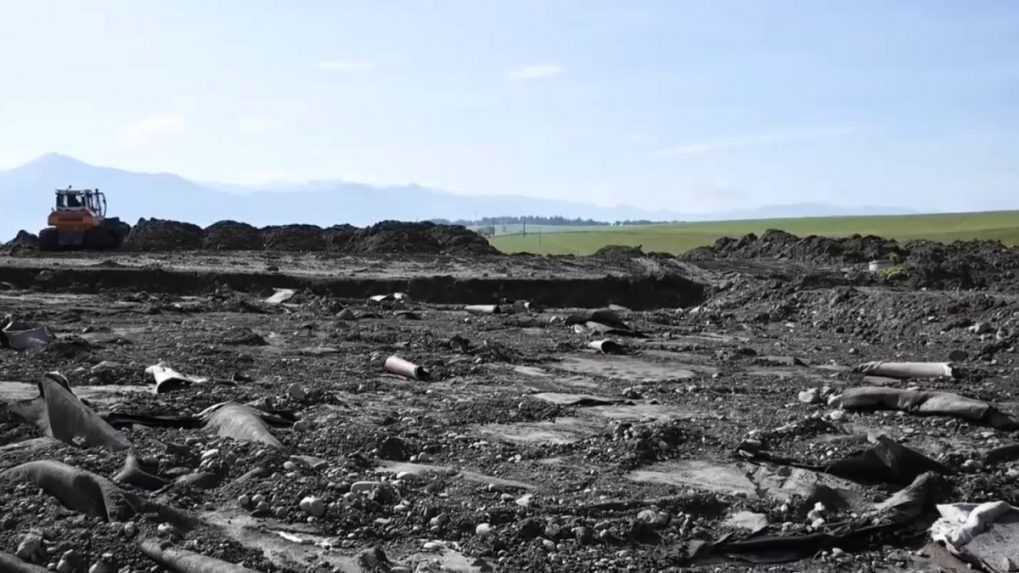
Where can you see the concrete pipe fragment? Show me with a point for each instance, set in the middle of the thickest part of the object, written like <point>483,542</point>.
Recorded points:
<point>906,369</point>
<point>182,561</point>
<point>401,367</point>
<point>607,346</point>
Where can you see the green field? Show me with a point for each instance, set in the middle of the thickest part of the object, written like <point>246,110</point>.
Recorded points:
<point>677,238</point>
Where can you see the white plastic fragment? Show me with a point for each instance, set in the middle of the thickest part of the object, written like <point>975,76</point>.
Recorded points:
<point>280,296</point>
<point>167,379</point>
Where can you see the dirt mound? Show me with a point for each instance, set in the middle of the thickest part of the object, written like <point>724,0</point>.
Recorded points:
<point>232,236</point>
<point>163,235</point>
<point>920,264</point>
<point>24,240</point>
<point>814,249</point>
<point>338,237</point>
<point>619,252</point>
<point>961,264</point>
<point>293,238</point>
<point>422,238</point>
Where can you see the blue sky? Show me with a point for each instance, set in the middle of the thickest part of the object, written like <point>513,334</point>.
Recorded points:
<point>690,106</point>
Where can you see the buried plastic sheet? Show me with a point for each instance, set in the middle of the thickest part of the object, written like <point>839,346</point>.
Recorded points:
<point>227,419</point>
<point>167,379</point>
<point>602,329</point>
<point>886,462</point>
<point>132,473</point>
<point>182,561</point>
<point>240,422</point>
<point>986,534</point>
<point>11,564</point>
<point>921,402</point>
<point>906,369</point>
<point>605,316</point>
<point>1006,453</point>
<point>20,335</point>
<point>77,489</point>
<point>401,367</point>
<point>898,512</point>
<point>69,420</point>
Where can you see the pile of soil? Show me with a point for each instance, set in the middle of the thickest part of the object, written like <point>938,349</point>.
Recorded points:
<point>961,265</point>
<point>616,252</point>
<point>811,249</point>
<point>423,237</point>
<point>919,264</point>
<point>383,238</point>
<point>232,236</point>
<point>24,240</point>
<point>163,235</point>
<point>338,237</point>
<point>293,238</point>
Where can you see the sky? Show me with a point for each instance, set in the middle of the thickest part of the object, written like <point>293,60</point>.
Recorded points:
<point>687,106</point>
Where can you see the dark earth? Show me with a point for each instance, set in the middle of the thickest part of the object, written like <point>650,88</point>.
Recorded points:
<point>707,424</point>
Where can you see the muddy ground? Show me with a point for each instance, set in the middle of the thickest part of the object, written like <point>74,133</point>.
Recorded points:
<point>525,449</point>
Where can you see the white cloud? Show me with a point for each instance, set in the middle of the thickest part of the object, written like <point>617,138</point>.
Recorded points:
<point>345,66</point>
<point>151,128</point>
<point>535,72</point>
<point>255,124</point>
<point>755,140</point>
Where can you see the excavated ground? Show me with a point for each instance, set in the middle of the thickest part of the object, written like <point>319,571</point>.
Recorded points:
<point>526,450</point>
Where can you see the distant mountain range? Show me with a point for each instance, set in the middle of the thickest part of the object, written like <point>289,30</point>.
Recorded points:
<point>26,193</point>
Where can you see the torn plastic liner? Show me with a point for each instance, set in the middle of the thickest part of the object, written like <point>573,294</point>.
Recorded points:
<point>985,534</point>
<point>11,564</point>
<point>887,461</point>
<point>67,419</point>
<point>20,335</point>
<point>227,419</point>
<point>86,492</point>
<point>132,473</point>
<point>899,512</point>
<point>240,422</point>
<point>925,403</point>
<point>183,561</point>
<point>167,379</point>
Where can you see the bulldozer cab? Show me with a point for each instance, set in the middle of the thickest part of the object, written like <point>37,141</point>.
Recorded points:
<point>91,200</point>
<point>78,219</point>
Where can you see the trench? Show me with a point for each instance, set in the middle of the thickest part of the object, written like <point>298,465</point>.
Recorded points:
<point>637,292</point>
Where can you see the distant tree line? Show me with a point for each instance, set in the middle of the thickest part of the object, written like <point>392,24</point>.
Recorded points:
<point>491,226</point>
<point>553,221</point>
<point>556,220</point>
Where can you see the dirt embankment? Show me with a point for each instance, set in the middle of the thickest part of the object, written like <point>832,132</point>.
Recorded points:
<point>387,237</point>
<point>918,264</point>
<point>24,240</point>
